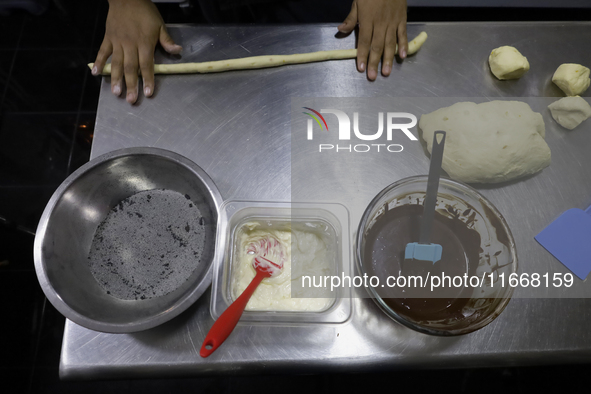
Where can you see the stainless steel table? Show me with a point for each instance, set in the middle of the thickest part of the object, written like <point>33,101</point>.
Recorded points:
<point>222,121</point>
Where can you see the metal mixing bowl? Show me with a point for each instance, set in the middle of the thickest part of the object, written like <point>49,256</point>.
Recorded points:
<point>496,257</point>
<point>70,220</point>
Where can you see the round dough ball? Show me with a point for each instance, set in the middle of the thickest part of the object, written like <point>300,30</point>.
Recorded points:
<point>507,63</point>
<point>572,79</point>
<point>570,112</point>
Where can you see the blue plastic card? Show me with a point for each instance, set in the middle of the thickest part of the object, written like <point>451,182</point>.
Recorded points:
<point>568,238</point>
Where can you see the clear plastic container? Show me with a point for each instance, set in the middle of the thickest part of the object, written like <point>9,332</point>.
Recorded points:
<point>329,221</point>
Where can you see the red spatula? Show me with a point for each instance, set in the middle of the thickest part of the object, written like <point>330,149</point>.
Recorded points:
<point>269,259</point>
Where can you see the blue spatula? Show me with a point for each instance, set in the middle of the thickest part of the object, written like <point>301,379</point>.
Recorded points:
<point>568,238</point>
<point>424,250</point>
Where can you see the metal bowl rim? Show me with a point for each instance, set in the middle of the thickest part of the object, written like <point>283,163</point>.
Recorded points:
<point>152,321</point>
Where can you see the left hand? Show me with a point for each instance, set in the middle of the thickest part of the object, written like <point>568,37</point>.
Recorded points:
<point>382,23</point>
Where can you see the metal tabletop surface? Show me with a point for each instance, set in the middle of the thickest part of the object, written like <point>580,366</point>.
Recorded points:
<point>221,121</point>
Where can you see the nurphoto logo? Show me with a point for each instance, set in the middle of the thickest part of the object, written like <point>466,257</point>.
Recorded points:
<point>393,125</point>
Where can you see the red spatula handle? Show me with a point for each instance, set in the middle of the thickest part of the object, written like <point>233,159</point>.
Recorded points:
<point>224,325</point>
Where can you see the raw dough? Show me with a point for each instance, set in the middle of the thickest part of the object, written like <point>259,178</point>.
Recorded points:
<point>490,142</point>
<point>569,112</point>
<point>573,79</point>
<point>264,61</point>
<point>507,63</point>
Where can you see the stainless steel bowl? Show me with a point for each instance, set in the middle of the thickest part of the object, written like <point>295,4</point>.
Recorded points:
<point>70,220</point>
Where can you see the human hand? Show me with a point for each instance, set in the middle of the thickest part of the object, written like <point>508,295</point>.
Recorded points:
<point>133,29</point>
<point>381,24</point>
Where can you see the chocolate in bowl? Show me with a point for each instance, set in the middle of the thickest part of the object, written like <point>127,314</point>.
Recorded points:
<point>476,242</point>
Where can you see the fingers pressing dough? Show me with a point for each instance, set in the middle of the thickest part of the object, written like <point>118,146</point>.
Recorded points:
<point>264,61</point>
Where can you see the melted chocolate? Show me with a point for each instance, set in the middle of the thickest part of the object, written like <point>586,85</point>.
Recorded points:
<point>495,222</point>
<point>383,254</point>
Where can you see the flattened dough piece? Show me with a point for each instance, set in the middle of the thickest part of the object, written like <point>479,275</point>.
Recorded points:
<point>264,61</point>
<point>572,79</point>
<point>507,63</point>
<point>490,142</point>
<point>570,112</point>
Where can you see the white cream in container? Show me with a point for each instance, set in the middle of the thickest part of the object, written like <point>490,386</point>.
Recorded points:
<point>317,237</point>
<point>307,254</point>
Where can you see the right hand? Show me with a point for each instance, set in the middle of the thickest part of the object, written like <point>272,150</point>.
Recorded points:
<point>382,24</point>
<point>134,27</point>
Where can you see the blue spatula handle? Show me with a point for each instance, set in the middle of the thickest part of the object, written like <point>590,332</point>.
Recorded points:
<point>432,186</point>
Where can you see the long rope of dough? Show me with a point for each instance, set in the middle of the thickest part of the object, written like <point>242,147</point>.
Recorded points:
<point>264,61</point>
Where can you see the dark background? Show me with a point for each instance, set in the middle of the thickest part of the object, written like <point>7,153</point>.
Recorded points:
<point>48,102</point>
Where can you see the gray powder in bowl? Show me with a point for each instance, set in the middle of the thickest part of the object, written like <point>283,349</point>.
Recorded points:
<point>148,245</point>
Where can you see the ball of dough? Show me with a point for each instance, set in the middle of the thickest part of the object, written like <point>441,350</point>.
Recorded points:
<point>570,112</point>
<point>490,142</point>
<point>507,63</point>
<point>572,79</point>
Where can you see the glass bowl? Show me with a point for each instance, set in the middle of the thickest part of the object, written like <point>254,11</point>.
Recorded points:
<point>480,300</point>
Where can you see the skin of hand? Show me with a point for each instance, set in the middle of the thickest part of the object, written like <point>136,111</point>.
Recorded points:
<point>382,23</point>
<point>133,29</point>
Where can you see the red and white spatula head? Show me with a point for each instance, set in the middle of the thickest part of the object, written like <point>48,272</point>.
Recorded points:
<point>270,255</point>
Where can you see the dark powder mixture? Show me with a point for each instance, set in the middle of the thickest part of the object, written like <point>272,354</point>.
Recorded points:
<point>148,245</point>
